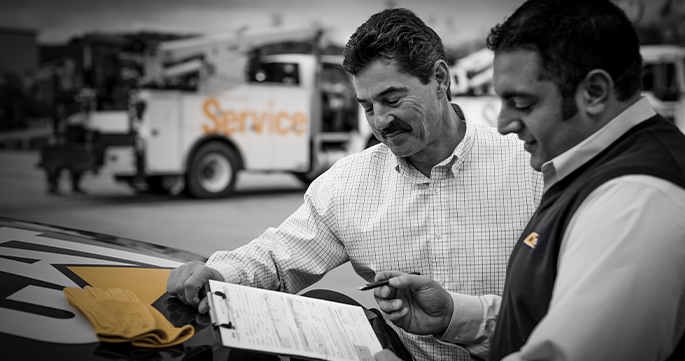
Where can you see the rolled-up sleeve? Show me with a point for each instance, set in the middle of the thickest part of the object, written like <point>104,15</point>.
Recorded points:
<point>294,255</point>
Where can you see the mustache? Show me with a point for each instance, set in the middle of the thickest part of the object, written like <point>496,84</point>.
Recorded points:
<point>394,127</point>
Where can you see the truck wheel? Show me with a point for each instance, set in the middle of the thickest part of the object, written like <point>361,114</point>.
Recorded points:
<point>213,171</point>
<point>307,178</point>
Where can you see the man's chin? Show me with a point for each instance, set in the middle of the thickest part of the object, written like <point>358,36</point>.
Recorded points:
<point>536,163</point>
<point>401,151</point>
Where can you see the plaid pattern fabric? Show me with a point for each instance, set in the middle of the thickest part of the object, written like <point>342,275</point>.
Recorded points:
<point>379,213</point>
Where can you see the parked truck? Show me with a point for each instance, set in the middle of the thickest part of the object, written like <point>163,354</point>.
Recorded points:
<point>214,106</point>
<point>663,84</point>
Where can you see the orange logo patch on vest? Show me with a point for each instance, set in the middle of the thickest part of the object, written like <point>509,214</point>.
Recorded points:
<point>532,240</point>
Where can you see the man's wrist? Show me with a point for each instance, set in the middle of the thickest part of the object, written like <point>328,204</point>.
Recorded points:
<point>216,275</point>
<point>466,317</point>
<point>447,320</point>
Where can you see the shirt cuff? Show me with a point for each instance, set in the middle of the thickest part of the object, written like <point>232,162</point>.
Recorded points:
<point>228,271</point>
<point>466,321</point>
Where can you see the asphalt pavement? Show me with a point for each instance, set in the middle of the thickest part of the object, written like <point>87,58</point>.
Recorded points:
<point>197,226</point>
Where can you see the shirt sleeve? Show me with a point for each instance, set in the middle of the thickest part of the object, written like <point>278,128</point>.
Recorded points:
<point>472,323</point>
<point>621,277</point>
<point>294,255</point>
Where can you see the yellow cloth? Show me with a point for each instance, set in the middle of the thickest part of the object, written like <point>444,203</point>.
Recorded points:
<point>120,316</point>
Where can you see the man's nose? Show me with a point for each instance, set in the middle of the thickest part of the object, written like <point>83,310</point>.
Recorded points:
<point>507,122</point>
<point>381,116</point>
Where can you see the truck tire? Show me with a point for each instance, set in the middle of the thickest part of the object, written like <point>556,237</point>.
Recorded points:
<point>212,172</point>
<point>307,178</point>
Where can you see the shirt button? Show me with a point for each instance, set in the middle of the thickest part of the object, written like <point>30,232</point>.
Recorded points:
<point>437,190</point>
<point>438,236</point>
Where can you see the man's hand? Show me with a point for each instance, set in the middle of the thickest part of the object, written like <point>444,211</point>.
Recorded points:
<point>185,283</point>
<point>417,304</point>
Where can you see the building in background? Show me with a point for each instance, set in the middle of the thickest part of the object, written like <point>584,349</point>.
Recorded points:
<point>24,49</point>
<point>20,58</point>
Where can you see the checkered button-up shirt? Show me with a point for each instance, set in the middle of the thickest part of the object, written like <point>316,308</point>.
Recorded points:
<point>379,213</point>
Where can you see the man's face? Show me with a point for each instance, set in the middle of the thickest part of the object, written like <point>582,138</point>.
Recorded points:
<point>531,107</point>
<point>402,112</point>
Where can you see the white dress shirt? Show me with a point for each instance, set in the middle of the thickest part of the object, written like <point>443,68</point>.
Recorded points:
<point>380,213</point>
<point>620,287</point>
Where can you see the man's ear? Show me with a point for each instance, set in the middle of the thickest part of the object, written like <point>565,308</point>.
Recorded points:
<point>442,77</point>
<point>596,91</point>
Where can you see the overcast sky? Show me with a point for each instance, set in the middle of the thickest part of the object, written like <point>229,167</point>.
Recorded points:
<point>455,21</point>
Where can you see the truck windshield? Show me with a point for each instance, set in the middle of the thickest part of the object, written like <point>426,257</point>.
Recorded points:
<point>339,105</point>
<point>282,73</point>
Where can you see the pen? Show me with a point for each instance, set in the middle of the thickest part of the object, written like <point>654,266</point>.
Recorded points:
<point>370,286</point>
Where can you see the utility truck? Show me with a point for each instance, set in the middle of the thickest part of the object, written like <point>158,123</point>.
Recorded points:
<point>214,106</point>
<point>663,84</point>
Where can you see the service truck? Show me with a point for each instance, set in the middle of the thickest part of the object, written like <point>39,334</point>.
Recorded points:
<point>663,82</point>
<point>232,109</point>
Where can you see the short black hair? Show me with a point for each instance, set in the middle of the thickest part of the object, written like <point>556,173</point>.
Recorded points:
<point>573,37</point>
<point>395,34</point>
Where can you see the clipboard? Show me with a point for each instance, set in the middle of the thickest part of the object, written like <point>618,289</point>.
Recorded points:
<point>290,325</point>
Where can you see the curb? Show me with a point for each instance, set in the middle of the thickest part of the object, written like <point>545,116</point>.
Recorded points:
<point>25,139</point>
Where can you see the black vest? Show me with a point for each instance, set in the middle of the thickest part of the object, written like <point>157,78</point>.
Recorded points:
<point>654,147</point>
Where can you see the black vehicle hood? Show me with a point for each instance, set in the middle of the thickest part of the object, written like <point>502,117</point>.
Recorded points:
<point>37,261</point>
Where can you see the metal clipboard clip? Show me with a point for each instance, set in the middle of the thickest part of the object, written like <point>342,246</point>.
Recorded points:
<point>220,311</point>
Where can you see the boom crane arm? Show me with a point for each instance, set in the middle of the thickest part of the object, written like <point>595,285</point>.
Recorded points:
<point>218,55</point>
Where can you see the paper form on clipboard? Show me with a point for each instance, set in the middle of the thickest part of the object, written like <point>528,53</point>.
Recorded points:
<point>285,324</point>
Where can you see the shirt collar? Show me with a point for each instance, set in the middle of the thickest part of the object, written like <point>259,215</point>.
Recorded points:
<point>565,163</point>
<point>452,162</point>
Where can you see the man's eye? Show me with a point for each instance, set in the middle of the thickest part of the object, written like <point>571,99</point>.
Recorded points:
<point>522,106</point>
<point>368,110</point>
<point>392,101</point>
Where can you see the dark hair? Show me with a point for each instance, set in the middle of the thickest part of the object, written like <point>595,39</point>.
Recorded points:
<point>395,34</point>
<point>572,38</point>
